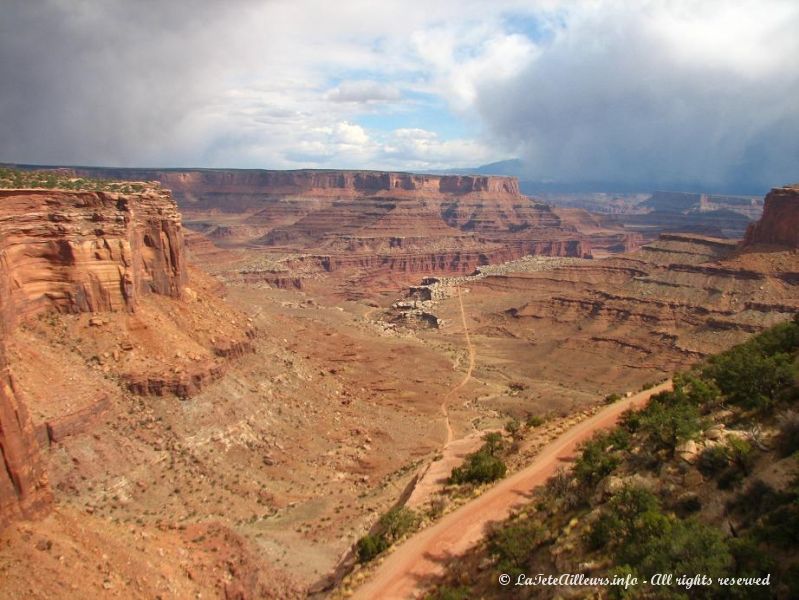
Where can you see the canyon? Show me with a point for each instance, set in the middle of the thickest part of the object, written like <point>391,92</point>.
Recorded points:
<point>243,373</point>
<point>391,224</point>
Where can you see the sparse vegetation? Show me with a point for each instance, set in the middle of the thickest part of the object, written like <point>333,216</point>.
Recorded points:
<point>391,527</point>
<point>483,466</point>
<point>62,179</point>
<point>642,528</point>
<point>534,421</point>
<point>512,543</point>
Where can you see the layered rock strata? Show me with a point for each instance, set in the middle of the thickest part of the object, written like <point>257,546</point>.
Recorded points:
<point>779,225</point>
<point>72,252</point>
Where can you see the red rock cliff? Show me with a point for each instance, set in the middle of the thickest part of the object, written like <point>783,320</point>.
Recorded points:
<point>779,225</point>
<point>187,182</point>
<point>87,251</point>
<point>72,252</point>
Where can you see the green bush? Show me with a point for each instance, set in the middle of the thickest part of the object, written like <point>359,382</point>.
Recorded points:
<point>594,462</point>
<point>751,379</point>
<point>393,525</point>
<point>369,546</point>
<point>742,454</point>
<point>604,530</point>
<point>480,467</point>
<point>759,498</point>
<point>667,421</point>
<point>446,592</point>
<point>534,421</point>
<point>513,427</point>
<point>788,438</point>
<point>663,544</point>
<point>493,443</point>
<point>713,460</point>
<point>397,522</point>
<point>688,505</point>
<point>513,543</point>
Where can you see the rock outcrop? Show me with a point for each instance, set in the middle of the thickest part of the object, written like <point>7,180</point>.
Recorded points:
<point>779,225</point>
<point>72,252</point>
<point>24,492</point>
<point>88,251</point>
<point>204,186</point>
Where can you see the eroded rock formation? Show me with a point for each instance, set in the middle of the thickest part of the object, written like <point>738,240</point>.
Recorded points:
<point>88,251</point>
<point>72,252</point>
<point>779,225</point>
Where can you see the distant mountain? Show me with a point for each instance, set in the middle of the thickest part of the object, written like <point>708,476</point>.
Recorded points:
<point>512,167</point>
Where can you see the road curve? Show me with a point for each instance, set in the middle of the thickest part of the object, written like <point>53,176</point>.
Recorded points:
<point>422,555</point>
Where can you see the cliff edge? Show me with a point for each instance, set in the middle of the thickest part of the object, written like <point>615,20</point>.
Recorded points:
<point>72,251</point>
<point>779,225</point>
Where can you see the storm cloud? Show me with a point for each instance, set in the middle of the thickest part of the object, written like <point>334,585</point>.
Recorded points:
<point>690,92</point>
<point>650,91</point>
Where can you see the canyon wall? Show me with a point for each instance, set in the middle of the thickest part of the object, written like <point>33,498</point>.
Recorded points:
<point>72,252</point>
<point>779,225</point>
<point>87,251</point>
<point>204,186</point>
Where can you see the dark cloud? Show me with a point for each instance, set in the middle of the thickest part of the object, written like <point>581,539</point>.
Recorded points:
<point>105,80</point>
<point>632,96</point>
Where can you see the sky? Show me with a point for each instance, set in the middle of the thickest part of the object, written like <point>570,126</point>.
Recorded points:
<point>649,91</point>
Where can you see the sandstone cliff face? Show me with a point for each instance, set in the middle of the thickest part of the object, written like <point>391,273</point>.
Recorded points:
<point>72,252</point>
<point>779,225</point>
<point>23,484</point>
<point>87,251</point>
<point>211,181</point>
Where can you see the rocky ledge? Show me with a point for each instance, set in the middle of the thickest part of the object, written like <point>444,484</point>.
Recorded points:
<point>779,225</point>
<point>72,252</point>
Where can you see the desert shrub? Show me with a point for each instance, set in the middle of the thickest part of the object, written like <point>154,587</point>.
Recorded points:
<point>393,525</point>
<point>397,522</point>
<point>480,467</point>
<point>513,543</point>
<point>630,420</point>
<point>781,526</point>
<point>513,427</point>
<point>751,379</point>
<point>594,462</point>
<point>688,505</point>
<point>788,438</point>
<point>757,499</point>
<point>369,546</point>
<point>713,460</point>
<point>730,478</point>
<point>446,592</point>
<point>603,531</point>
<point>782,338</point>
<point>629,504</point>
<point>667,422</point>
<point>692,388</point>
<point>534,421</point>
<point>742,454</point>
<point>492,443</point>
<point>750,560</point>
<point>664,544</point>
<point>611,398</point>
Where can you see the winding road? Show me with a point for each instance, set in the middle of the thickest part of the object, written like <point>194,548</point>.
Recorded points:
<point>405,572</point>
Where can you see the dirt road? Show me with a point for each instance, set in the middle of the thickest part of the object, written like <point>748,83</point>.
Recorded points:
<point>422,556</point>
<point>467,376</point>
